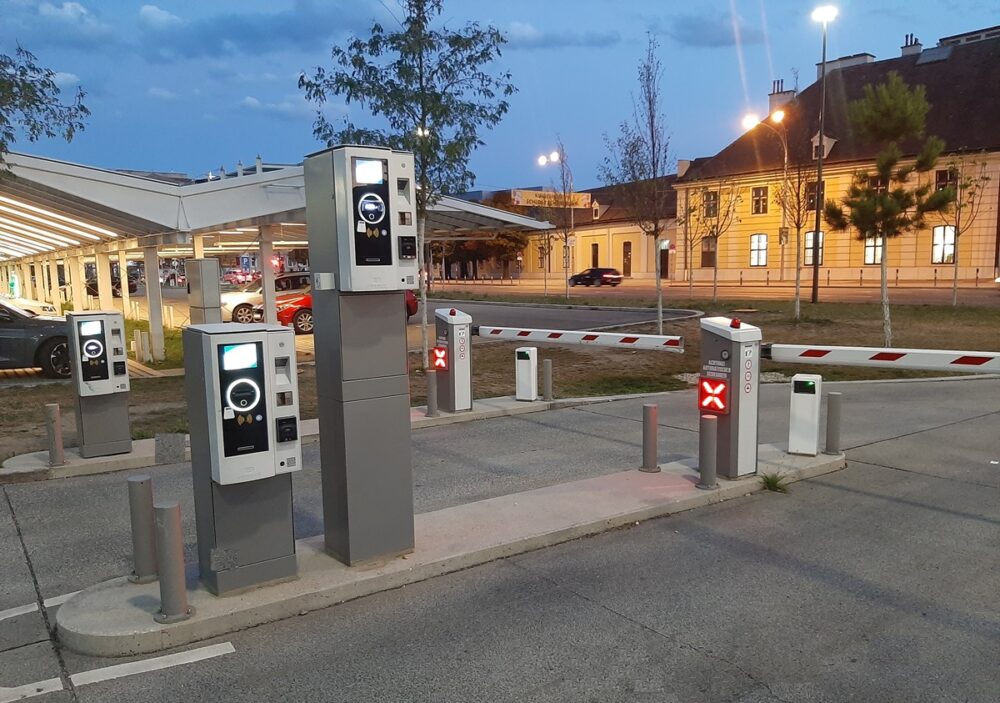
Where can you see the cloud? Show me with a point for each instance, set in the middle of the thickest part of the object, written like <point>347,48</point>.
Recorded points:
<point>65,80</point>
<point>523,35</point>
<point>161,94</point>
<point>292,107</point>
<point>152,17</point>
<point>708,30</point>
<point>48,24</point>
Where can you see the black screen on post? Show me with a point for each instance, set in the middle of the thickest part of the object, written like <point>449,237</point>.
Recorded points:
<point>372,222</point>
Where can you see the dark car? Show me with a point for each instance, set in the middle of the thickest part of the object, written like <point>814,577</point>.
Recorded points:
<point>596,277</point>
<point>116,286</point>
<point>32,341</point>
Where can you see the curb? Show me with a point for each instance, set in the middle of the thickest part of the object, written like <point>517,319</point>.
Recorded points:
<point>557,306</point>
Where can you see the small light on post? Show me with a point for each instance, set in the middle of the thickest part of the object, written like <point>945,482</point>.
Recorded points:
<point>542,160</point>
<point>824,14</point>
<point>750,121</point>
<point>777,116</point>
<point>554,157</point>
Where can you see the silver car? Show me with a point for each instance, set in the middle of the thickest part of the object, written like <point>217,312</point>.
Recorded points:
<point>238,303</point>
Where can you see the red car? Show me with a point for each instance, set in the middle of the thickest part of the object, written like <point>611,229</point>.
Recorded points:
<point>295,310</point>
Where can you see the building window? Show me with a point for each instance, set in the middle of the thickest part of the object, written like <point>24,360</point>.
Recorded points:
<point>758,250</point>
<point>712,203</point>
<point>809,249</point>
<point>873,250</point>
<point>758,198</point>
<point>943,178</point>
<point>594,248</point>
<point>708,246</point>
<point>811,195</point>
<point>879,184</point>
<point>596,210</point>
<point>943,245</point>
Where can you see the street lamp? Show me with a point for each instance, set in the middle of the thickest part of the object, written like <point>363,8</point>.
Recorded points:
<point>823,14</point>
<point>750,121</point>
<point>566,178</point>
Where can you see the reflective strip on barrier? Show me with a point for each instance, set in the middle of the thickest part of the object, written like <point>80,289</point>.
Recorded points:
<point>595,339</point>
<point>915,359</point>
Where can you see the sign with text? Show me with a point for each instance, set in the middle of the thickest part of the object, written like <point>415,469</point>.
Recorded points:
<point>548,198</point>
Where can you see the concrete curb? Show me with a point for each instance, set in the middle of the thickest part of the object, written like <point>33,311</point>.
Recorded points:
<point>557,306</point>
<point>115,618</point>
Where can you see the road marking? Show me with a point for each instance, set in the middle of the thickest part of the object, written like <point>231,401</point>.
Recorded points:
<point>154,664</point>
<point>84,678</point>
<point>58,600</point>
<point>32,607</point>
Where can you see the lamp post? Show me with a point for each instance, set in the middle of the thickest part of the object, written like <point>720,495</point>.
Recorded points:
<point>823,14</point>
<point>566,178</point>
<point>777,117</point>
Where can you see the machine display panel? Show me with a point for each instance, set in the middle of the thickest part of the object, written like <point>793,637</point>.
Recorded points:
<point>91,328</point>
<point>369,172</point>
<point>236,357</point>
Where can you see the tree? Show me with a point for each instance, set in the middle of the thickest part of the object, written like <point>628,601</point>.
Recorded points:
<point>562,215</point>
<point>29,103</point>
<point>638,162</point>
<point>883,204</point>
<point>432,87</point>
<point>709,214</point>
<point>793,196</point>
<point>967,179</point>
<point>505,248</point>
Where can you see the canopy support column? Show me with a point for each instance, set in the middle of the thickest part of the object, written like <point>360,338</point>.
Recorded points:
<point>105,297</point>
<point>123,283</point>
<point>198,245</point>
<point>154,303</point>
<point>27,287</point>
<point>54,293</point>
<point>267,275</point>
<point>75,276</point>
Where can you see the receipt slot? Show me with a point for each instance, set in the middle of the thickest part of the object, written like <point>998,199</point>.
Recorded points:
<point>242,391</point>
<point>728,388</point>
<point>803,415</point>
<point>100,380</point>
<point>454,334</point>
<point>526,373</point>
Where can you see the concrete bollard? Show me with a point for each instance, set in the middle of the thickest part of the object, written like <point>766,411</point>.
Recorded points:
<point>140,508</point>
<point>53,430</point>
<point>169,309</point>
<point>170,564</point>
<point>432,393</point>
<point>147,354</point>
<point>139,356</point>
<point>650,413</point>
<point>547,379</point>
<point>832,423</point>
<point>708,431</point>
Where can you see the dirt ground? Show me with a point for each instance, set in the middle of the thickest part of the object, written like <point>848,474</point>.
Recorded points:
<point>158,405</point>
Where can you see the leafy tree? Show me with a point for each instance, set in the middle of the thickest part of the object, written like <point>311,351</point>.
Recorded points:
<point>967,179</point>
<point>638,161</point>
<point>562,215</point>
<point>432,86</point>
<point>29,102</point>
<point>709,214</point>
<point>884,204</point>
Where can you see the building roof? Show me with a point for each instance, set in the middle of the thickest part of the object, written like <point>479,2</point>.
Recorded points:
<point>612,209</point>
<point>960,82</point>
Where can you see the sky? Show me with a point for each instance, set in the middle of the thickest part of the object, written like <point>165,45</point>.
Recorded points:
<point>191,86</point>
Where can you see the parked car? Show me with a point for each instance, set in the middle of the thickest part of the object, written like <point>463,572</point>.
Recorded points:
<point>237,276</point>
<point>238,304</point>
<point>39,307</point>
<point>295,310</point>
<point>596,277</point>
<point>28,340</point>
<point>116,286</point>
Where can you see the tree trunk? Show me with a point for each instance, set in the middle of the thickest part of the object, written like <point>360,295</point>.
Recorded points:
<point>798,273</point>
<point>421,221</point>
<point>715,275</point>
<point>954,279</point>
<point>659,284</point>
<point>886,321</point>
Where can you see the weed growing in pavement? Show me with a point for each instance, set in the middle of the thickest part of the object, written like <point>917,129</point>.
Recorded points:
<point>774,482</point>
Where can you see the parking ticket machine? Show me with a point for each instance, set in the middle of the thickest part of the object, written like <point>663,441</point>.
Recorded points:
<point>100,382</point>
<point>243,409</point>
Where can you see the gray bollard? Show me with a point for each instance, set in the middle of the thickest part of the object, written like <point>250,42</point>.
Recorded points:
<point>432,393</point>
<point>832,423</point>
<point>147,354</point>
<point>170,563</point>
<point>547,379</point>
<point>650,414</point>
<point>53,429</point>
<point>139,356</point>
<point>140,508</point>
<point>708,431</point>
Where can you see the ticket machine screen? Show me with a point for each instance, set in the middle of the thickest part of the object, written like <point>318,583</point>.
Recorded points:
<point>243,407</point>
<point>93,353</point>
<point>372,223</point>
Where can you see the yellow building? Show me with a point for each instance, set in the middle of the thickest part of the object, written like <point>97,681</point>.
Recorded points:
<point>741,187</point>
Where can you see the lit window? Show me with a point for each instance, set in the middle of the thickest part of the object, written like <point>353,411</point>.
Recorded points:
<point>758,199</point>
<point>712,204</point>
<point>809,249</point>
<point>873,250</point>
<point>943,245</point>
<point>708,246</point>
<point>944,178</point>
<point>758,250</point>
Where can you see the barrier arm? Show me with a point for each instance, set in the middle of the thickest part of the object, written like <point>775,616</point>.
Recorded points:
<point>875,357</point>
<point>654,342</point>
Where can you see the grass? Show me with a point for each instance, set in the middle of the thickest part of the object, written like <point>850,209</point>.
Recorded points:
<point>172,342</point>
<point>773,482</point>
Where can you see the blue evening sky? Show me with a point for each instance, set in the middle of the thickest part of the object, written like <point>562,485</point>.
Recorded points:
<point>185,86</point>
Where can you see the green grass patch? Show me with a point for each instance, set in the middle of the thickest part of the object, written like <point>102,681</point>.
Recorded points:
<point>173,344</point>
<point>773,482</point>
<point>618,385</point>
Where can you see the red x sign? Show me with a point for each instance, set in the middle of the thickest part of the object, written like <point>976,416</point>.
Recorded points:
<point>439,358</point>
<point>713,396</point>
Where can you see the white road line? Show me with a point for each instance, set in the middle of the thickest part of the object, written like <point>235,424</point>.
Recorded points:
<point>58,600</point>
<point>9,695</point>
<point>154,664</point>
<point>32,607</point>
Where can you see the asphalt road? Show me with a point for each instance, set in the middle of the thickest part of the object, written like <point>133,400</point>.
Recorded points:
<point>875,583</point>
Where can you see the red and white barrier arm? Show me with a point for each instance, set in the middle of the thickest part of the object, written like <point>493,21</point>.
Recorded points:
<point>915,359</point>
<point>617,340</point>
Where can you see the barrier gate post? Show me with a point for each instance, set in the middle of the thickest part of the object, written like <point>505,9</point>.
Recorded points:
<point>454,368</point>
<point>728,388</point>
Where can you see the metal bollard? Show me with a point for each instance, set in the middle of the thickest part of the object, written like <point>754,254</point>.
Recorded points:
<point>707,435</point>
<point>832,423</point>
<point>140,508</point>
<point>547,379</point>
<point>170,562</point>
<point>650,413</point>
<point>53,429</point>
<point>432,393</point>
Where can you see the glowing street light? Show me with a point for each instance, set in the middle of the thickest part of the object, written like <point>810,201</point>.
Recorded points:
<point>823,14</point>
<point>777,116</point>
<point>750,121</point>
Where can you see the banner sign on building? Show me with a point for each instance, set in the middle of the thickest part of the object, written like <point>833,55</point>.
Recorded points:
<point>548,198</point>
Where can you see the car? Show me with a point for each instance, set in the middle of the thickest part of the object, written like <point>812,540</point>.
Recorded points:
<point>238,303</point>
<point>28,340</point>
<point>116,286</point>
<point>596,277</point>
<point>295,310</point>
<point>39,307</point>
<point>237,276</point>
